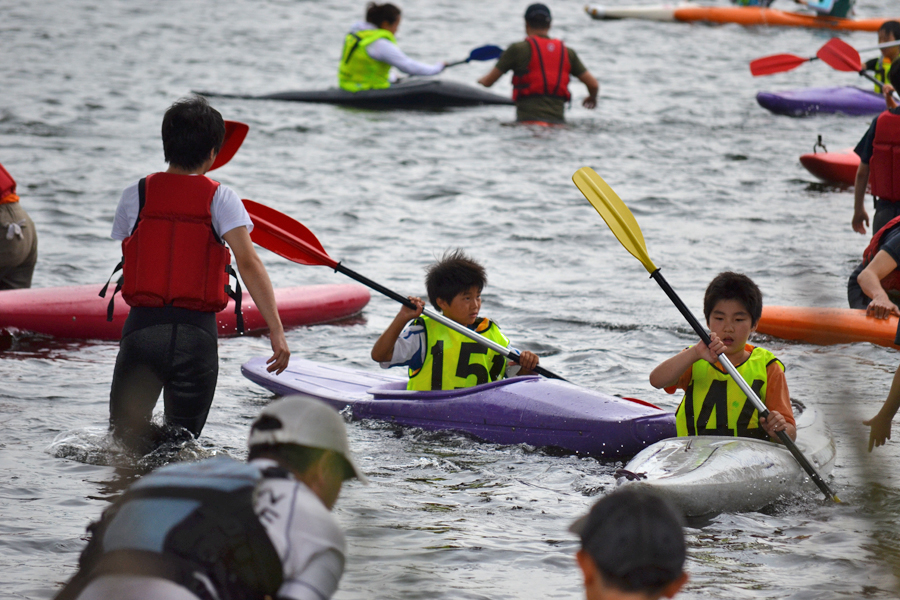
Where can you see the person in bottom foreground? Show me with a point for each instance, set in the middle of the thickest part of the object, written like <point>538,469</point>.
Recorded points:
<point>713,403</point>
<point>226,530</point>
<point>18,238</point>
<point>879,159</point>
<point>438,357</point>
<point>175,266</point>
<point>541,67</point>
<point>632,547</point>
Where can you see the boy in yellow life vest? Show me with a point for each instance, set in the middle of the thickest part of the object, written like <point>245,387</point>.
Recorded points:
<point>888,32</point>
<point>438,357</point>
<point>713,403</point>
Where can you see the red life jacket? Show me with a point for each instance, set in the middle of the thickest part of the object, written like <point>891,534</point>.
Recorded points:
<point>884,166</point>
<point>548,70</point>
<point>7,183</point>
<point>892,280</point>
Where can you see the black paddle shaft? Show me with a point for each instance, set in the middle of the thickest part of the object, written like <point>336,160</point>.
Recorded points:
<point>782,435</point>
<point>410,304</point>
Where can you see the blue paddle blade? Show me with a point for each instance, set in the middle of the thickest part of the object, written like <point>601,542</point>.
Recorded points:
<point>485,53</point>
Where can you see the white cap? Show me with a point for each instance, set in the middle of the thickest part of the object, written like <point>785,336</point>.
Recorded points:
<point>306,422</point>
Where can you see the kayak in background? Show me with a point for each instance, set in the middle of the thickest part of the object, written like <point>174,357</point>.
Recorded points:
<point>707,475</point>
<point>832,167</point>
<point>741,15</point>
<point>78,312</point>
<point>409,93</point>
<point>827,326</point>
<point>807,101</point>
<point>521,410</point>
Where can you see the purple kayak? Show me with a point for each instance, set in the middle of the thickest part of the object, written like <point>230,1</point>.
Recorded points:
<point>798,103</point>
<point>521,410</point>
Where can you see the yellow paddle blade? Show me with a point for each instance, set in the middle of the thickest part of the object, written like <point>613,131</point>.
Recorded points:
<point>617,216</point>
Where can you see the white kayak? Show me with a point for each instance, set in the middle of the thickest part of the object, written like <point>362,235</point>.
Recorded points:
<point>658,12</point>
<point>707,475</point>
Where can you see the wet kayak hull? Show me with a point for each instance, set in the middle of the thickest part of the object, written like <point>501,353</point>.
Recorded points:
<point>847,100</point>
<point>832,167</point>
<point>708,475</point>
<point>78,312</point>
<point>408,94</point>
<point>522,410</point>
<point>740,15</point>
<point>827,326</point>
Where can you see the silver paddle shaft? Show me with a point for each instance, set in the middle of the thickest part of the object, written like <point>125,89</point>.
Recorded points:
<point>459,328</point>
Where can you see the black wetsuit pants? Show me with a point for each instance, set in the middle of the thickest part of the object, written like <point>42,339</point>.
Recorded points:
<point>179,359</point>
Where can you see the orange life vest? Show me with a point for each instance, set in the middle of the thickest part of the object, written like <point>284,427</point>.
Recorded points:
<point>548,70</point>
<point>884,166</point>
<point>892,280</point>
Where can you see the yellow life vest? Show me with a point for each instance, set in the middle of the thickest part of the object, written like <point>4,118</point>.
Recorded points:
<point>882,72</point>
<point>453,361</point>
<point>714,404</point>
<point>359,71</point>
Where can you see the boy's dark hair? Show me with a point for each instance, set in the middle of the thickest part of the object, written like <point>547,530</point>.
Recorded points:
<point>636,540</point>
<point>191,128</point>
<point>452,275</point>
<point>300,458</point>
<point>733,286</point>
<point>376,14</point>
<point>894,76</point>
<point>892,28</point>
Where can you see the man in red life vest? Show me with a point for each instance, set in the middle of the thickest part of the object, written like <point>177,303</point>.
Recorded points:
<point>879,166</point>
<point>541,68</point>
<point>18,240</point>
<point>174,227</point>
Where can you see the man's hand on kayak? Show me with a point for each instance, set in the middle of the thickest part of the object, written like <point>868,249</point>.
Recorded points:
<point>882,308</point>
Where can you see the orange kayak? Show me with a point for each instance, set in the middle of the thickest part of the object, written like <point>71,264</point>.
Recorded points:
<point>833,167</point>
<point>827,325</point>
<point>741,15</point>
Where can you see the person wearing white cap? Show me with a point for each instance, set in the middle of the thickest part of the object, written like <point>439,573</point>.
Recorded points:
<point>220,529</point>
<point>632,547</point>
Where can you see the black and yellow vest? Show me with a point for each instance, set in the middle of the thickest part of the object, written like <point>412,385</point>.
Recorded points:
<point>713,403</point>
<point>453,361</point>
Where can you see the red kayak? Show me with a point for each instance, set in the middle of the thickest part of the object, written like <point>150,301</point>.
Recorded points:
<point>833,167</point>
<point>78,312</point>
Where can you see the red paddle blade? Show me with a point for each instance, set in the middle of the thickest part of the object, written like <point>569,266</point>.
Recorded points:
<point>235,132</point>
<point>840,55</point>
<point>286,237</point>
<point>778,63</point>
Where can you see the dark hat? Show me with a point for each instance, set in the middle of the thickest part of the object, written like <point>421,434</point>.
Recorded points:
<point>537,13</point>
<point>635,538</point>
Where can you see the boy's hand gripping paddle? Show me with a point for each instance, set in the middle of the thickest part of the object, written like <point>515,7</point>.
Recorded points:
<point>626,229</point>
<point>235,132</point>
<point>292,240</point>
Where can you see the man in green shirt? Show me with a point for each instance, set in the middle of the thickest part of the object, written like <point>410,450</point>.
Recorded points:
<point>541,68</point>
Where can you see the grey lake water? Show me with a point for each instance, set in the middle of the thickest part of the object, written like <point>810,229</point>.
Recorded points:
<point>712,178</point>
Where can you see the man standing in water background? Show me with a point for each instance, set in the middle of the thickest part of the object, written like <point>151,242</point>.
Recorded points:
<point>541,67</point>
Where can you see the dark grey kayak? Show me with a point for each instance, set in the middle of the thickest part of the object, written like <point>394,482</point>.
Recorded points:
<point>410,93</point>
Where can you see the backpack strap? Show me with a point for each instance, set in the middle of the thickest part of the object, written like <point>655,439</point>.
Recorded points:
<point>237,295</point>
<point>142,186</point>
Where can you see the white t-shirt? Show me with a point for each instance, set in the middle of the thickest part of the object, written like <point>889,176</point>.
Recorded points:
<point>303,531</point>
<point>227,210</point>
<point>386,51</point>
